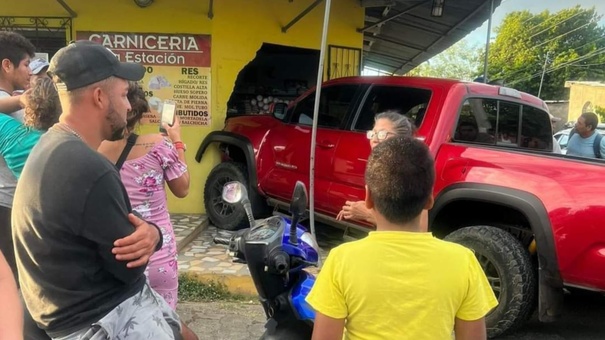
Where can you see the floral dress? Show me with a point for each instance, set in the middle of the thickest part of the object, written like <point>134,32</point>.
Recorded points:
<point>144,179</point>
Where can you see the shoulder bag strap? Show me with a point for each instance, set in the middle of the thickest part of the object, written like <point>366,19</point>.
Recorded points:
<point>596,145</point>
<point>132,139</point>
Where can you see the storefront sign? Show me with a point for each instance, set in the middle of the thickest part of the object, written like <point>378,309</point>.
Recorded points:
<point>178,68</point>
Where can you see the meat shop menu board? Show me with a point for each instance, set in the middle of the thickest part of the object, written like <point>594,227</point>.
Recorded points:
<point>177,67</point>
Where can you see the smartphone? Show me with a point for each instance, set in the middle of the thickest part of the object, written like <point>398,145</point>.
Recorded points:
<point>168,114</point>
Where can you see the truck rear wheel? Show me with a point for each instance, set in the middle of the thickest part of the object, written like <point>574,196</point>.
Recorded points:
<point>222,214</point>
<point>509,270</point>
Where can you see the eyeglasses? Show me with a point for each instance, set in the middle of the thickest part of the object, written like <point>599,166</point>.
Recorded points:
<point>381,135</point>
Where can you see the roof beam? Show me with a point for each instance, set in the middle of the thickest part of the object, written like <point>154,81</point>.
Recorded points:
<point>455,27</point>
<point>379,63</point>
<point>397,59</point>
<point>394,16</point>
<point>418,27</point>
<point>377,3</point>
<point>211,9</point>
<point>66,7</point>
<point>300,16</point>
<point>397,42</point>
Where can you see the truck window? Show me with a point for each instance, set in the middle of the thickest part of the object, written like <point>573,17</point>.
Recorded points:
<point>508,124</point>
<point>477,121</point>
<point>536,129</point>
<point>333,107</point>
<point>408,101</point>
<point>502,123</point>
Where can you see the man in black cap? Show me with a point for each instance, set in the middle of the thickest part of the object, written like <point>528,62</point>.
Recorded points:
<point>77,281</point>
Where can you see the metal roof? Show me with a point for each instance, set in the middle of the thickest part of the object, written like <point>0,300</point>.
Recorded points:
<point>400,35</point>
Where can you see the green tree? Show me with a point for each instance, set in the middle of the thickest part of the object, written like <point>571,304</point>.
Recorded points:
<point>460,61</point>
<point>567,45</point>
<point>600,111</point>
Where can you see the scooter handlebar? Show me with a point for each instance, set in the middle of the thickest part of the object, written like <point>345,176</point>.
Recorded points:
<point>222,240</point>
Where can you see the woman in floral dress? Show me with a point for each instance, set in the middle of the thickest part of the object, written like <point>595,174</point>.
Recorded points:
<point>155,160</point>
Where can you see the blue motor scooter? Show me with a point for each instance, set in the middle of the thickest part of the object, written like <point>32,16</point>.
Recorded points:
<point>277,250</point>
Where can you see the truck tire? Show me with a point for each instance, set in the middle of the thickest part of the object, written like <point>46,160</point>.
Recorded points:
<point>509,269</point>
<point>222,214</point>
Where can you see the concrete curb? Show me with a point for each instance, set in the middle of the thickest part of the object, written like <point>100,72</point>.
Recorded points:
<point>193,235</point>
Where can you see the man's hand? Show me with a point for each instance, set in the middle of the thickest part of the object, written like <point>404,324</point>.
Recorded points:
<point>138,246</point>
<point>23,98</point>
<point>355,211</point>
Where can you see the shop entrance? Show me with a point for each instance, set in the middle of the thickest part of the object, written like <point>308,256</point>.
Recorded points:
<point>48,34</point>
<point>277,74</point>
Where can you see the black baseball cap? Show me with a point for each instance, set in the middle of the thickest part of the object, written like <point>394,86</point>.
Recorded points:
<point>84,62</point>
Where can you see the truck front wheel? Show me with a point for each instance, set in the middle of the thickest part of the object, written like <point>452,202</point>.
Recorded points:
<point>508,268</point>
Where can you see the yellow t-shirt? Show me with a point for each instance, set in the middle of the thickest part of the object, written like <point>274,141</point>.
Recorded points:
<point>401,285</point>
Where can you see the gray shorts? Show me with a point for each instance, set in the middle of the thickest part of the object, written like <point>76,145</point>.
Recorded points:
<point>143,316</point>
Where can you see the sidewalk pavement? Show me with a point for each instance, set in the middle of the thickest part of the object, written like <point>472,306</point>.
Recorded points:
<point>224,320</point>
<point>198,255</point>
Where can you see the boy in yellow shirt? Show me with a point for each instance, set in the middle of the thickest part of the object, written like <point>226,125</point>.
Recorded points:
<point>400,282</point>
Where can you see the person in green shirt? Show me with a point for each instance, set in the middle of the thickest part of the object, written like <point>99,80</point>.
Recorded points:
<point>42,110</point>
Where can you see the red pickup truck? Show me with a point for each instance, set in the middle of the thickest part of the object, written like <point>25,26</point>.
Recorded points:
<point>534,218</point>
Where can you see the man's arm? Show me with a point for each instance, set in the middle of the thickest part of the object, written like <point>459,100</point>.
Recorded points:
<point>11,313</point>
<point>356,211</point>
<point>479,300</point>
<point>140,245</point>
<point>106,220</point>
<point>11,104</point>
<point>327,328</point>
<point>470,330</point>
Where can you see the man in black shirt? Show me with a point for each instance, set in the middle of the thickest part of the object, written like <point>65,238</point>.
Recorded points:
<point>70,208</point>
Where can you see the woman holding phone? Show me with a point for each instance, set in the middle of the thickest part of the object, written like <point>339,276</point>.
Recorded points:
<point>146,165</point>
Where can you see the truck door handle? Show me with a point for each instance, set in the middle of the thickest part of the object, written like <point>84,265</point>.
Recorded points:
<point>325,144</point>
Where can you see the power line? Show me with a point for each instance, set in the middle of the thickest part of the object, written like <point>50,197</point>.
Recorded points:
<point>555,24</point>
<point>587,65</point>
<point>562,35</point>
<point>560,66</point>
<point>513,74</point>
<point>555,38</point>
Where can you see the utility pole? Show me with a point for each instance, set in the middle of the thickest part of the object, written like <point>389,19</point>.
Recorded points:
<point>546,57</point>
<point>489,35</point>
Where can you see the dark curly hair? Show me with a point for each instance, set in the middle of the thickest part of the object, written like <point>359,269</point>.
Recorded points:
<point>42,109</point>
<point>138,104</point>
<point>15,47</point>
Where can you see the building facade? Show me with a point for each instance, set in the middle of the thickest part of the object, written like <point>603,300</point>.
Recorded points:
<point>211,57</point>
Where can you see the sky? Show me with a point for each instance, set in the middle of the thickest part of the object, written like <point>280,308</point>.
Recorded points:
<point>479,35</point>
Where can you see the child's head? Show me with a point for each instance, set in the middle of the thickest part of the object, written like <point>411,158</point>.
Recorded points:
<point>42,108</point>
<point>399,179</point>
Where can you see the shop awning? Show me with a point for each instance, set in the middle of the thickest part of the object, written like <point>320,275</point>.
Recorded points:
<point>400,35</point>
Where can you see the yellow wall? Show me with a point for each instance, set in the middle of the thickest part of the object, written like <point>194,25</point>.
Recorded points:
<point>238,30</point>
<point>580,94</point>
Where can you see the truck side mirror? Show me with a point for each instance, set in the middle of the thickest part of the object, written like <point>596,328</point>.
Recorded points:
<point>279,110</point>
